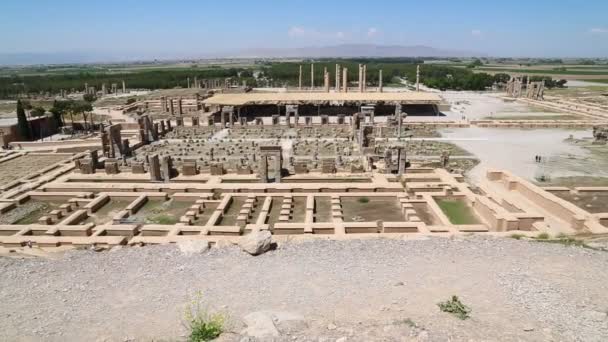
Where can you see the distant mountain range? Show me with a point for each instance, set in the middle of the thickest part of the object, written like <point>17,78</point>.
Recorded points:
<point>345,50</point>
<point>352,50</point>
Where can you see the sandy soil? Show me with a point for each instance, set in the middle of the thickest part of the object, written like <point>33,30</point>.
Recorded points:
<point>514,150</point>
<point>476,105</point>
<point>373,290</point>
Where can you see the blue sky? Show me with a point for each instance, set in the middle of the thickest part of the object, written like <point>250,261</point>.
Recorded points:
<point>557,28</point>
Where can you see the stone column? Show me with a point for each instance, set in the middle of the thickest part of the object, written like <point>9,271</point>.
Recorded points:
<point>399,119</point>
<point>154,165</point>
<point>326,81</point>
<point>364,77</point>
<point>223,118</point>
<point>418,78</point>
<point>360,78</point>
<point>312,76</point>
<point>124,87</point>
<point>263,169</point>
<point>277,168</point>
<point>300,81</point>
<point>166,168</point>
<point>337,78</point>
<point>345,80</point>
<point>402,161</point>
<point>180,110</point>
<point>380,81</point>
<point>171,109</point>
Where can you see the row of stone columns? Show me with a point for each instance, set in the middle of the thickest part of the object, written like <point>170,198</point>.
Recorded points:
<point>341,81</point>
<point>104,89</point>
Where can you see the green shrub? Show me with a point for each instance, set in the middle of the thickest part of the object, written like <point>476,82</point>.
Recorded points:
<point>455,307</point>
<point>363,200</point>
<point>543,236</point>
<point>203,325</point>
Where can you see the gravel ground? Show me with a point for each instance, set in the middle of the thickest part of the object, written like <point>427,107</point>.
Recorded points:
<point>353,290</point>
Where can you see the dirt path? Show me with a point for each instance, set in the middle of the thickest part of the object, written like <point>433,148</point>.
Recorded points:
<point>355,290</point>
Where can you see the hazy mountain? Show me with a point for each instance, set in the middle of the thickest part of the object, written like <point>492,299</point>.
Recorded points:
<point>345,50</point>
<point>352,50</point>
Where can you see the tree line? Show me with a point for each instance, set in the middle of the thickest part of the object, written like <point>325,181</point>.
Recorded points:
<point>14,85</point>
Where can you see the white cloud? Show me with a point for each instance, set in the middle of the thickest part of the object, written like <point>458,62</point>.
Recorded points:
<point>296,31</point>
<point>599,30</point>
<point>476,33</point>
<point>372,31</point>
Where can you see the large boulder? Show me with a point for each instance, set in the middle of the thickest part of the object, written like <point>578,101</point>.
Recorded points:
<point>256,242</point>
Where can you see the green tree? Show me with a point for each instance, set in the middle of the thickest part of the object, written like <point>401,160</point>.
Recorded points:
<point>58,110</point>
<point>476,63</point>
<point>90,98</point>
<point>22,124</point>
<point>38,112</point>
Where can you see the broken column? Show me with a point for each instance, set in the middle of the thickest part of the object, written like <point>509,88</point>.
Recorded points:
<point>154,168</point>
<point>189,168</point>
<point>345,80</point>
<point>166,167</point>
<point>380,81</point>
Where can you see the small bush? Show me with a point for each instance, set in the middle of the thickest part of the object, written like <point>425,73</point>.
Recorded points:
<point>203,325</point>
<point>363,200</point>
<point>543,236</point>
<point>517,236</point>
<point>455,307</point>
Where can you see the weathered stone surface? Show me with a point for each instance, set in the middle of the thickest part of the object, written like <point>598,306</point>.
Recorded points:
<point>256,243</point>
<point>192,247</point>
<point>259,325</point>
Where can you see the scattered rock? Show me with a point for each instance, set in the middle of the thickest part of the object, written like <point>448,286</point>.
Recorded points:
<point>259,325</point>
<point>256,243</point>
<point>331,326</point>
<point>191,247</point>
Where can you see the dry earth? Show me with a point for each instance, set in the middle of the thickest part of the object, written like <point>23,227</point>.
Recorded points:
<point>354,290</point>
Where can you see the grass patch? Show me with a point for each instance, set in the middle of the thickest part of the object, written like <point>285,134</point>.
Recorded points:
<point>542,236</point>
<point>363,200</point>
<point>569,241</point>
<point>407,321</point>
<point>457,211</point>
<point>455,307</point>
<point>162,219</point>
<point>516,236</point>
<point>203,325</point>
